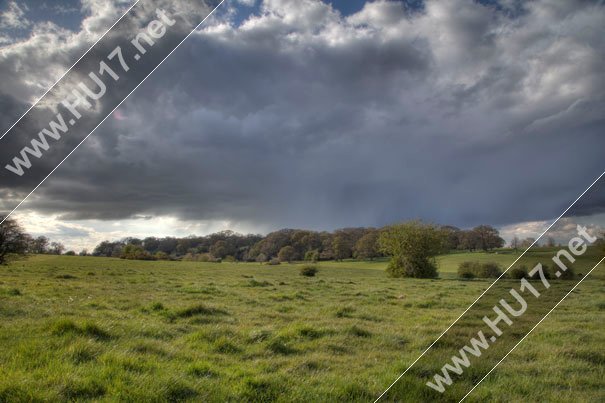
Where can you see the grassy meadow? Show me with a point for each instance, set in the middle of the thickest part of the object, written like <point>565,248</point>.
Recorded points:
<point>101,329</point>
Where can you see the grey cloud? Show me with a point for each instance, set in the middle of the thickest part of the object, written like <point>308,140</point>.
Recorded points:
<point>302,118</point>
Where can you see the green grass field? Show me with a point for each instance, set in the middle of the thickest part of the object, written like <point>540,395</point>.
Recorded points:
<point>85,328</point>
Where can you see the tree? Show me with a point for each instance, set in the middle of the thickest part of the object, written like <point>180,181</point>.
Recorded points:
<point>601,242</point>
<point>550,242</point>
<point>469,240</point>
<point>488,237</point>
<point>39,245</point>
<point>527,242</point>
<point>286,254</point>
<point>340,248</point>
<point>312,255</point>
<point>367,246</point>
<point>161,256</point>
<point>515,242</point>
<point>454,235</point>
<point>108,249</point>
<point>219,250</point>
<point>56,248</point>
<point>135,252</point>
<point>412,247</point>
<point>13,241</point>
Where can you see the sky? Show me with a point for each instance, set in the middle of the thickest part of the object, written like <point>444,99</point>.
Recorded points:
<point>323,115</point>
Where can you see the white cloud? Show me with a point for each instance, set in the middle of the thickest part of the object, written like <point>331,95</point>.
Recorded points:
<point>13,17</point>
<point>86,234</point>
<point>562,231</point>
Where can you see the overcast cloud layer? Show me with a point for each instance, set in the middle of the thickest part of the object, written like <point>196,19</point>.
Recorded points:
<point>300,116</point>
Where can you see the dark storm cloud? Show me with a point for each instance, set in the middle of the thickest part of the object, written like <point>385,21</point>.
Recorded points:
<point>300,117</point>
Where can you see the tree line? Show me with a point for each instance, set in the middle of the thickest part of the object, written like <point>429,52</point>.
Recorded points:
<point>283,245</point>
<point>286,245</point>
<point>411,246</point>
<point>15,242</point>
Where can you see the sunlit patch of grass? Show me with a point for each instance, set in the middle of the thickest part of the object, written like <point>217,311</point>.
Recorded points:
<point>190,331</point>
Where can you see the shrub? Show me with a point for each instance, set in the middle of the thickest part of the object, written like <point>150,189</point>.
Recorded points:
<point>135,252</point>
<point>479,270</point>
<point>490,270</point>
<point>308,270</point>
<point>312,255</point>
<point>70,253</point>
<point>161,256</point>
<point>230,259</point>
<point>546,272</point>
<point>464,272</point>
<point>286,254</point>
<point>568,274</point>
<point>406,267</point>
<point>274,262</point>
<point>197,257</point>
<point>412,247</point>
<point>468,269</point>
<point>518,272</point>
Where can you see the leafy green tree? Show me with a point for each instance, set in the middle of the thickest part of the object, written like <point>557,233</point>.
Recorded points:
<point>367,246</point>
<point>219,250</point>
<point>412,247</point>
<point>454,235</point>
<point>161,256</point>
<point>135,252</point>
<point>340,248</point>
<point>312,255</point>
<point>286,254</point>
<point>13,241</point>
<point>488,237</point>
<point>469,240</point>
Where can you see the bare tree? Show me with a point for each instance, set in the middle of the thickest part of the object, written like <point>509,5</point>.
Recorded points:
<point>57,248</point>
<point>515,242</point>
